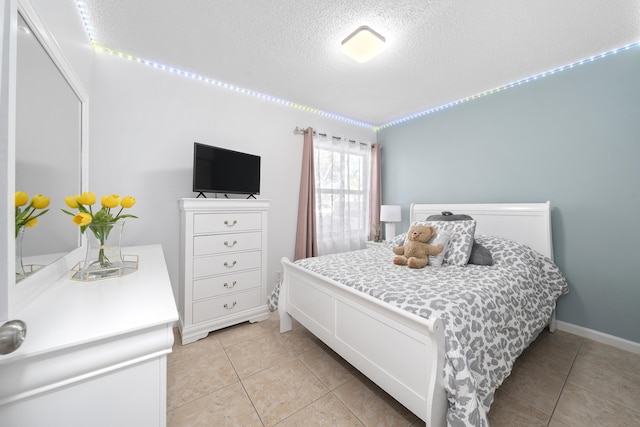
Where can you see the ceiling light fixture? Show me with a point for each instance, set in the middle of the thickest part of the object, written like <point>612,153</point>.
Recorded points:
<point>363,44</point>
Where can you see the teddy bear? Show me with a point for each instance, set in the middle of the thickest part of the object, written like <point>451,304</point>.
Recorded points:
<point>415,252</point>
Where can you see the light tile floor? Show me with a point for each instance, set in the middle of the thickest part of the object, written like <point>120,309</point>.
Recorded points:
<point>251,375</point>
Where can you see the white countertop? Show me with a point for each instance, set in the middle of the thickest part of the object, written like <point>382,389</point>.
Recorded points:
<point>72,313</point>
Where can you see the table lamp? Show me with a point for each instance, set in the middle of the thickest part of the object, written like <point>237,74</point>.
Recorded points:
<point>390,214</point>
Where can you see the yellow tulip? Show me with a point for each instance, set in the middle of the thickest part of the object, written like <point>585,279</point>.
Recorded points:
<point>32,223</point>
<point>128,202</point>
<point>21,198</point>
<point>82,219</point>
<point>87,198</point>
<point>39,201</point>
<point>110,201</point>
<point>72,201</point>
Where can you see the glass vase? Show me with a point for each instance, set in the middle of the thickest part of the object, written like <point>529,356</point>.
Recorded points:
<point>104,254</point>
<point>20,272</point>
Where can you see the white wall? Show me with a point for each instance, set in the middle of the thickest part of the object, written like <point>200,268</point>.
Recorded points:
<point>63,21</point>
<point>143,125</point>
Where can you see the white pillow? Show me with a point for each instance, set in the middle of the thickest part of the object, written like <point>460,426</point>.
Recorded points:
<point>440,238</point>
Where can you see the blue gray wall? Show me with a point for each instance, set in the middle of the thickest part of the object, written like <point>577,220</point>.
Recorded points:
<point>572,138</point>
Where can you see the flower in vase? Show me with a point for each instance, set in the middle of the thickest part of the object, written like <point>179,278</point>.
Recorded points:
<point>26,216</point>
<point>101,221</point>
<point>87,198</point>
<point>103,216</point>
<point>21,198</point>
<point>82,219</point>
<point>110,201</point>
<point>128,202</point>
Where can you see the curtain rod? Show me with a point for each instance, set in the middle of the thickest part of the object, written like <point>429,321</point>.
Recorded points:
<point>302,131</point>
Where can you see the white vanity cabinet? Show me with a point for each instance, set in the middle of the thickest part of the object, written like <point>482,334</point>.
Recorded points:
<point>223,257</point>
<point>95,353</point>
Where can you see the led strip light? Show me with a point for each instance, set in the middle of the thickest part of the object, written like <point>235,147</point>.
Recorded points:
<point>228,86</point>
<point>507,86</point>
<point>194,76</point>
<point>89,30</point>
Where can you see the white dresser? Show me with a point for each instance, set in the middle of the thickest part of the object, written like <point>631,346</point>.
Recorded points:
<point>95,353</point>
<point>223,257</point>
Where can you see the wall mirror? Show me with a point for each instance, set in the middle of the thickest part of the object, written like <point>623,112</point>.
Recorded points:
<point>48,147</point>
<point>51,139</point>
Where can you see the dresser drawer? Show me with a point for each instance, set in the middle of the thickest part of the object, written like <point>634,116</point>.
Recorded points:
<point>226,222</point>
<point>226,284</point>
<point>224,243</point>
<point>227,263</point>
<point>226,305</point>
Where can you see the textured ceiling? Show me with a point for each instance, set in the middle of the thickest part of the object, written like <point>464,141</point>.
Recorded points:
<point>437,51</point>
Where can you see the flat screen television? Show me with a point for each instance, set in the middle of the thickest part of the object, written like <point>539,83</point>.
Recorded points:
<point>219,170</point>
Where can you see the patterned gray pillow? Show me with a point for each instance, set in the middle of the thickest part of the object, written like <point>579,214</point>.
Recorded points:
<point>479,254</point>
<point>461,239</point>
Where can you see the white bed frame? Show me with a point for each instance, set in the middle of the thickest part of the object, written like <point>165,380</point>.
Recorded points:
<point>401,352</point>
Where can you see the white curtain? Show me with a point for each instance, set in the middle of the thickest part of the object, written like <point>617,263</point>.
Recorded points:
<point>343,179</point>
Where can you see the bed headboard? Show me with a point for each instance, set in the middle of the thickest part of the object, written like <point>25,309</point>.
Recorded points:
<point>527,223</point>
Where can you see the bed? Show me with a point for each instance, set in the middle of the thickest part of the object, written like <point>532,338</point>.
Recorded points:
<point>422,353</point>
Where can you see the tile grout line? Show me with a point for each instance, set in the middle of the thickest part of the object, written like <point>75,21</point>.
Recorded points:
<point>590,391</point>
<point>528,404</point>
<point>564,383</point>
<point>253,405</point>
<point>266,332</point>
<point>313,401</point>
<point>347,406</point>
<point>330,391</point>
<point>191,359</point>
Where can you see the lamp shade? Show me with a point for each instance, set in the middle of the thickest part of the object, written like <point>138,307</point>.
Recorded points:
<point>390,213</point>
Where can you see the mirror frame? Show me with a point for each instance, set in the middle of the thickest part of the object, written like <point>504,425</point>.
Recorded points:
<point>8,24</point>
<point>20,295</point>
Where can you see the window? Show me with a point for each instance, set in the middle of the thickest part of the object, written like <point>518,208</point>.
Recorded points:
<point>342,176</point>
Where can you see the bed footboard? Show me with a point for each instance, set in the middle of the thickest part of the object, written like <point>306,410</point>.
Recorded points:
<point>399,351</point>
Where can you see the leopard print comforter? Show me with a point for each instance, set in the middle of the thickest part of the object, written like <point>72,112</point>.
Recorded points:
<point>490,313</point>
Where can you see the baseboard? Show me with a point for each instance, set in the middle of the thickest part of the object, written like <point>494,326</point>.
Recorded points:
<point>600,337</point>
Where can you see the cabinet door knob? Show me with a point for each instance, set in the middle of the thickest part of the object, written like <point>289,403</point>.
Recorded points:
<point>226,264</point>
<point>229,286</point>
<point>230,245</point>
<point>232,224</point>
<point>12,335</point>
<point>230,307</point>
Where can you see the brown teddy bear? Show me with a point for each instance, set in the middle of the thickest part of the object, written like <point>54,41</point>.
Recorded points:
<point>415,252</point>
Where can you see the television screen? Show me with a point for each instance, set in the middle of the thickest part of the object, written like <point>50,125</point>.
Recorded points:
<point>218,170</point>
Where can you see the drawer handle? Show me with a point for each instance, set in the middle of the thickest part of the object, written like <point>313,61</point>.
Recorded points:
<point>230,245</point>
<point>232,224</point>
<point>226,285</point>
<point>230,308</point>
<point>226,264</point>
